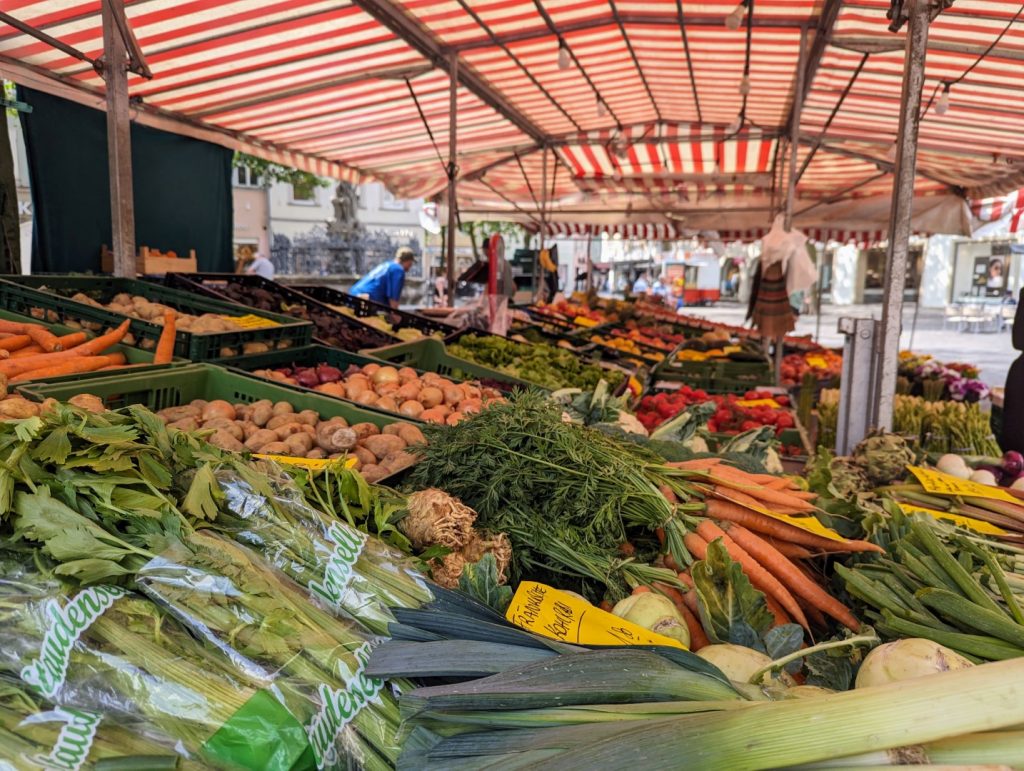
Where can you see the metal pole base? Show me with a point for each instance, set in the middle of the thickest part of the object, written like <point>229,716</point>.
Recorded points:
<point>858,405</point>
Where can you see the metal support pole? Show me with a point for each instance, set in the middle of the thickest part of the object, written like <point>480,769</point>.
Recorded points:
<point>900,212</point>
<point>817,295</point>
<point>590,263</point>
<point>119,145</point>
<point>794,130</point>
<point>538,267</point>
<point>453,173</point>
<point>853,422</point>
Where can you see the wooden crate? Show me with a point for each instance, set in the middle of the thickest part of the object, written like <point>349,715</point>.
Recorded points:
<point>153,262</point>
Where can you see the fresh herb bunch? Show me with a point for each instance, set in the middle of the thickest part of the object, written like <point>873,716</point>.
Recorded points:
<point>567,496</point>
<point>541,364</point>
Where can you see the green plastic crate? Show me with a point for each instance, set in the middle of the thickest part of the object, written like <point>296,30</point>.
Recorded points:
<point>135,356</point>
<point>24,295</point>
<point>199,381</point>
<point>723,376</point>
<point>432,356</point>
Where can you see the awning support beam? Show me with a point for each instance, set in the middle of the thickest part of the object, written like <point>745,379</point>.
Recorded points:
<point>119,143</point>
<point>794,132</point>
<point>888,342</point>
<point>453,173</point>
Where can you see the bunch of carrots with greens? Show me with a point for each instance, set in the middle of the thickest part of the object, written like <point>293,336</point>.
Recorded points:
<point>32,352</point>
<point>766,524</point>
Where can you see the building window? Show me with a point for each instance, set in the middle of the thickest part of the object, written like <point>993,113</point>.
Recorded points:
<point>243,176</point>
<point>304,192</point>
<point>389,202</point>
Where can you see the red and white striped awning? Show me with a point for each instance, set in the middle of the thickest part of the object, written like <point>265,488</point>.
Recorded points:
<point>1006,207</point>
<point>636,125</point>
<point>646,231</point>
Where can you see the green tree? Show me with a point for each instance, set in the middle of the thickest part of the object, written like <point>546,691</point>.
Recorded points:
<point>479,232</point>
<point>301,181</point>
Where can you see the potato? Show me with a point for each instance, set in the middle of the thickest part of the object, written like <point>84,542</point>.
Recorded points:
<point>185,424</point>
<point>411,434</point>
<point>228,353</point>
<point>372,473</point>
<point>18,408</point>
<point>383,444</point>
<point>335,438</point>
<point>88,402</point>
<point>48,404</point>
<point>299,444</point>
<point>261,413</point>
<point>172,414</point>
<point>283,432</point>
<point>281,420</point>
<point>365,457</point>
<point>364,430</point>
<point>283,408</point>
<point>200,404</point>
<point>225,441</point>
<point>275,448</point>
<point>396,461</point>
<point>316,454</point>
<point>260,438</point>
<point>311,430</point>
<point>434,415</point>
<point>242,411</point>
<point>230,426</point>
<point>218,408</point>
<point>391,429</point>
<point>255,348</point>
<point>310,417</point>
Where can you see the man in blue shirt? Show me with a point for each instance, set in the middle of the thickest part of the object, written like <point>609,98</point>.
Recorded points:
<point>384,283</point>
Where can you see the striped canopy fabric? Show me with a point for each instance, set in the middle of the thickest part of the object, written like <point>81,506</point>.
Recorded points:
<point>637,111</point>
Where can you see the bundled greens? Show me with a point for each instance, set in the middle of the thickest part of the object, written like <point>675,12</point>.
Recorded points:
<point>120,500</point>
<point>568,496</point>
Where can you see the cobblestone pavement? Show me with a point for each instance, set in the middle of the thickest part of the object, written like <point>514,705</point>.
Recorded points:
<point>992,351</point>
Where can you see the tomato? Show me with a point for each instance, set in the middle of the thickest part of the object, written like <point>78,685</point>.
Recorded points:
<point>783,400</point>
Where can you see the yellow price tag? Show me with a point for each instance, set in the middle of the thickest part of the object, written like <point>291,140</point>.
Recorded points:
<point>313,464</point>
<point>635,385</point>
<point>556,615</point>
<point>758,403</point>
<point>986,528</point>
<point>583,321</point>
<point>251,321</point>
<point>817,361</point>
<point>946,484</point>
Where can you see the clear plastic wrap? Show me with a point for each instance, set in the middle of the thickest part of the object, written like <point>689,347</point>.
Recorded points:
<point>339,565</point>
<point>102,654</point>
<point>267,625</point>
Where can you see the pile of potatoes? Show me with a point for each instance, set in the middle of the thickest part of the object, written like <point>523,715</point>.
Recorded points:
<point>428,397</point>
<point>272,428</point>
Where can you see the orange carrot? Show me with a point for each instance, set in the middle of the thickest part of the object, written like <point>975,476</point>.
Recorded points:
<point>758,574</point>
<point>73,339</point>
<point>165,345</point>
<point>766,525</point>
<point>687,579</point>
<point>44,337</point>
<point>28,350</point>
<point>697,464</point>
<point>670,561</point>
<point>15,342</point>
<point>777,611</point>
<point>606,605</point>
<point>791,550</point>
<point>726,475</point>
<point>669,494</point>
<point>669,591</point>
<point>14,327</point>
<point>15,366</point>
<point>73,366</point>
<point>698,639</point>
<point>814,615</point>
<point>791,575</point>
<point>660,532</point>
<point>642,589</point>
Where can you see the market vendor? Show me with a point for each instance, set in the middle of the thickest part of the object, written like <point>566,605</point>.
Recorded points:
<point>384,283</point>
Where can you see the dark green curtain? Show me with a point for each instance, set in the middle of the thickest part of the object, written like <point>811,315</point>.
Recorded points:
<point>182,189</point>
<point>10,230</point>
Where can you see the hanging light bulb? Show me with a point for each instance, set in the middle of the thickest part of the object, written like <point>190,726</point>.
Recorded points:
<point>942,106</point>
<point>564,60</point>
<point>735,18</point>
<point>890,154</point>
<point>602,110</point>
<point>735,126</point>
